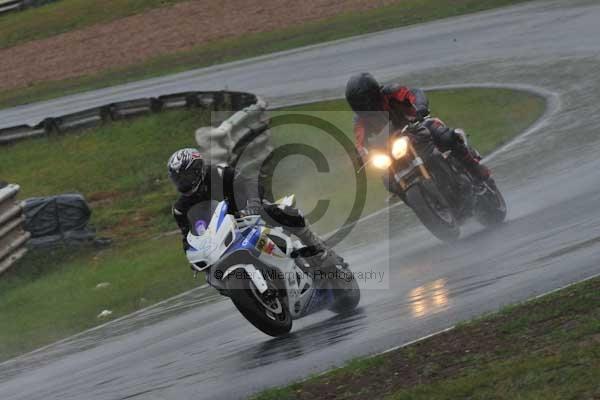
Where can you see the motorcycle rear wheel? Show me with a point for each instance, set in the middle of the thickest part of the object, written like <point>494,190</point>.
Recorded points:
<point>433,211</point>
<point>274,321</point>
<point>491,208</point>
<point>347,295</point>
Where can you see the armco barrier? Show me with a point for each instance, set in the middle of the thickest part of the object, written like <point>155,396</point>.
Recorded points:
<point>239,118</point>
<point>214,101</point>
<point>12,236</point>
<point>17,5</point>
<point>10,5</point>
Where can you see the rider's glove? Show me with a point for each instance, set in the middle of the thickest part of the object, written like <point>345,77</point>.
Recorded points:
<point>253,207</point>
<point>421,114</point>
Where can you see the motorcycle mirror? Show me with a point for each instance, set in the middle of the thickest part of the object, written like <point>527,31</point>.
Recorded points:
<point>361,168</point>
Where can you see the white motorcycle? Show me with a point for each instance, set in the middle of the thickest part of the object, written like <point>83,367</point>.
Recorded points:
<point>263,269</point>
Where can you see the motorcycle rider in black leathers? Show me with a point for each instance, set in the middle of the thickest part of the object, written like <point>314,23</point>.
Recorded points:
<point>404,106</point>
<point>198,181</point>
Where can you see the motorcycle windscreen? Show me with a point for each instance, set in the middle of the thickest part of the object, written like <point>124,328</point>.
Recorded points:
<point>200,214</point>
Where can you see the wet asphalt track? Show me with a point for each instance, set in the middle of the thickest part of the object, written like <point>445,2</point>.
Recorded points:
<point>183,349</point>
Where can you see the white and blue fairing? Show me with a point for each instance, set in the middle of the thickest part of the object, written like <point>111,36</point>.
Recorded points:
<point>224,235</point>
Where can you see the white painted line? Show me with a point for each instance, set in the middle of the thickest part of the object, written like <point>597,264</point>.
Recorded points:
<point>589,278</point>
<point>415,341</point>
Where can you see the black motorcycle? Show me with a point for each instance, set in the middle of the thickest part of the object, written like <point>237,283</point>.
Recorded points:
<point>441,192</point>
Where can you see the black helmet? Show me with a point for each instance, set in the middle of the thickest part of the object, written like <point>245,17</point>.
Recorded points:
<point>186,170</point>
<point>363,93</point>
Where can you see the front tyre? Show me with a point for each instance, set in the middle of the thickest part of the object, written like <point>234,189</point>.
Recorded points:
<point>268,311</point>
<point>433,211</point>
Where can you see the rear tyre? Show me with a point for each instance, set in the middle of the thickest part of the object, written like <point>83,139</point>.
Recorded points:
<point>268,312</point>
<point>433,211</point>
<point>347,294</point>
<point>491,207</point>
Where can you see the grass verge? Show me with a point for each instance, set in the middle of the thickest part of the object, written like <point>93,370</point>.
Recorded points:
<point>345,25</point>
<point>543,349</point>
<point>52,294</point>
<point>120,168</point>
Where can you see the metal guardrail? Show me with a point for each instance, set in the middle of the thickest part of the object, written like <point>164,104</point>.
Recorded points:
<point>18,5</point>
<point>10,5</point>
<point>12,236</point>
<point>238,116</point>
<point>214,101</point>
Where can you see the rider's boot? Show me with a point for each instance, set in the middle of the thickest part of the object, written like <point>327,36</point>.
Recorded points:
<point>321,255</point>
<point>471,160</point>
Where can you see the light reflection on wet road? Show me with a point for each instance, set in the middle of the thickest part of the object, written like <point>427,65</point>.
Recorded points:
<point>429,298</point>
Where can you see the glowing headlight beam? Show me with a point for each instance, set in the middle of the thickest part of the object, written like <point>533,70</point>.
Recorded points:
<point>381,161</point>
<point>400,148</point>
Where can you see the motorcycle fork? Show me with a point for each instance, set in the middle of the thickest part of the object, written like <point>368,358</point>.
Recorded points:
<point>422,169</point>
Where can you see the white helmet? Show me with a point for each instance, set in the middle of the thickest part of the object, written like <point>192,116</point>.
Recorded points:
<point>186,170</point>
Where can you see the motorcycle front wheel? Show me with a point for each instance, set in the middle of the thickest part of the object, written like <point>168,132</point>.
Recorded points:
<point>433,211</point>
<point>268,311</point>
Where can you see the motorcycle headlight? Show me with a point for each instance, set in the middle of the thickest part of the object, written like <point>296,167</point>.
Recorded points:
<point>400,148</point>
<point>381,161</point>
